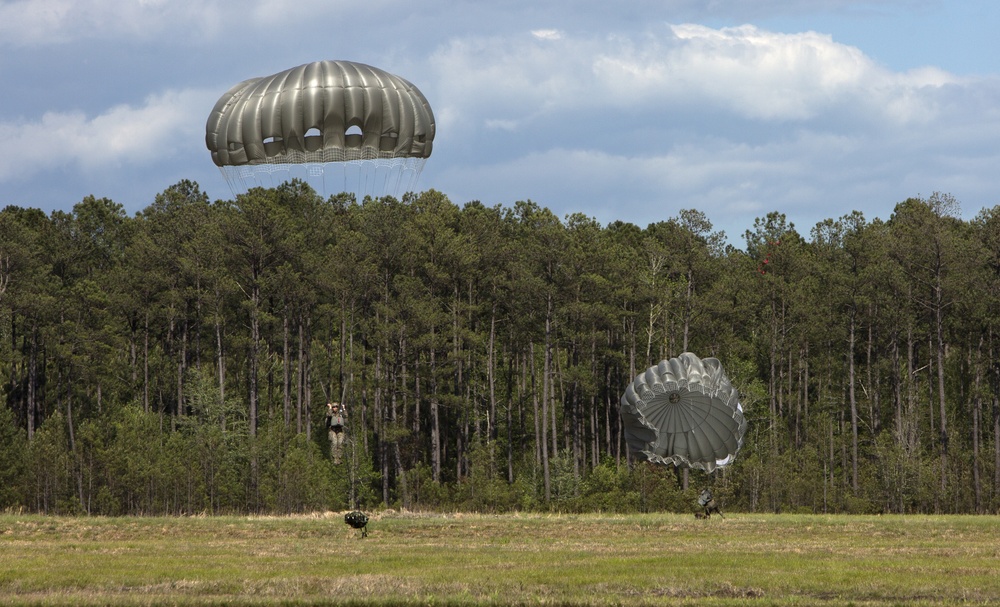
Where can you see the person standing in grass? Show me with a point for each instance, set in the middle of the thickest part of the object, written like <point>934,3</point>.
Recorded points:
<point>336,416</point>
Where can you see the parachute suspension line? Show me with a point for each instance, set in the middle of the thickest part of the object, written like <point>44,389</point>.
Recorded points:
<point>367,180</point>
<point>380,178</point>
<point>265,144</point>
<point>405,179</point>
<point>370,177</point>
<point>324,182</point>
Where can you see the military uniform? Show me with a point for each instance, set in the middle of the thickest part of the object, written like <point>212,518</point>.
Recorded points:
<point>335,423</point>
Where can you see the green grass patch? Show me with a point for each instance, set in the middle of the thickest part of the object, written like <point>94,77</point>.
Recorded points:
<point>654,559</point>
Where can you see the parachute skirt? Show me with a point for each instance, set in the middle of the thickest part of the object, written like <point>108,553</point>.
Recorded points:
<point>341,126</point>
<point>373,177</point>
<point>684,412</point>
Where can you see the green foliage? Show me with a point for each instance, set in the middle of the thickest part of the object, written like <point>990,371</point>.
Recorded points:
<point>179,361</point>
<point>12,460</point>
<point>609,488</point>
<point>425,493</point>
<point>49,468</point>
<point>296,476</point>
<point>485,490</point>
<point>660,491</point>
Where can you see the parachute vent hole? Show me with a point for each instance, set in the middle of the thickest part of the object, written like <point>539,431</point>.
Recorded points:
<point>675,397</point>
<point>273,146</point>
<point>388,142</point>
<point>313,140</point>
<point>353,136</point>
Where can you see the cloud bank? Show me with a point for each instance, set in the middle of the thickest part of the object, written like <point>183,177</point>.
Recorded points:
<point>735,121</point>
<point>166,125</point>
<point>617,114</point>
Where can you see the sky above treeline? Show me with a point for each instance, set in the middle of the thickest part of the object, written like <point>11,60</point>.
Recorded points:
<point>629,110</point>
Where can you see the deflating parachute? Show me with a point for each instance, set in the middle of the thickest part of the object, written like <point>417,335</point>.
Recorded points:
<point>354,127</point>
<point>684,412</point>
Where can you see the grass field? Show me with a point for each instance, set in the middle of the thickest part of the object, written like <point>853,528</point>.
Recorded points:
<point>654,559</point>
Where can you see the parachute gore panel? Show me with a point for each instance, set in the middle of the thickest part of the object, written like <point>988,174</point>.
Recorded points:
<point>327,111</point>
<point>684,412</point>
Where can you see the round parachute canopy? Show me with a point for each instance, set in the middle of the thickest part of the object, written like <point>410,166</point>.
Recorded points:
<point>346,126</point>
<point>684,412</point>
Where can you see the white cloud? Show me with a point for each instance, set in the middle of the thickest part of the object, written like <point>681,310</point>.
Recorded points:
<point>547,34</point>
<point>810,170</point>
<point>165,125</point>
<point>35,23</point>
<point>732,120</point>
<point>502,125</point>
<point>632,122</point>
<point>742,71</point>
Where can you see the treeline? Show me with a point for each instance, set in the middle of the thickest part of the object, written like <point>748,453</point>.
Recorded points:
<point>179,361</point>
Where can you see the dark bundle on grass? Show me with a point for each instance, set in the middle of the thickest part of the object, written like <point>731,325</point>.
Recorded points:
<point>358,520</point>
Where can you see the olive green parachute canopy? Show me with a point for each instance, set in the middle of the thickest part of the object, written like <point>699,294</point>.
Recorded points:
<point>320,113</point>
<point>684,412</point>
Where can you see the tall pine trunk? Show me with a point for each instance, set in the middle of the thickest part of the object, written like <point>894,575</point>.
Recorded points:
<point>939,329</point>
<point>546,380</point>
<point>977,414</point>
<point>435,415</point>
<point>221,365</point>
<point>286,370</point>
<point>852,399</point>
<point>254,357</point>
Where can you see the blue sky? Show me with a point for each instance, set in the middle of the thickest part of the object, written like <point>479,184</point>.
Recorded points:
<point>626,110</point>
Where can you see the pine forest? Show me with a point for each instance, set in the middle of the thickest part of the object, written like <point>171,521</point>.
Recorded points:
<point>180,361</point>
